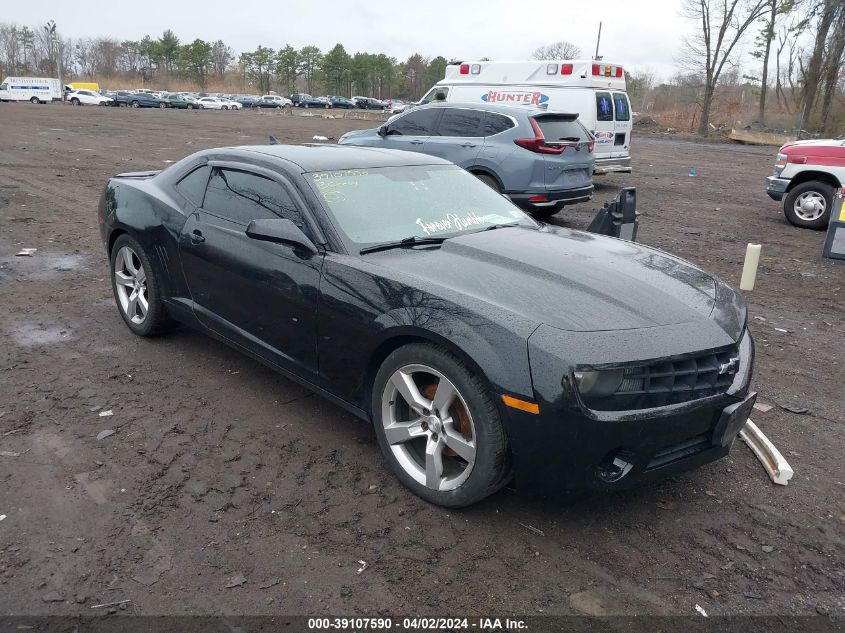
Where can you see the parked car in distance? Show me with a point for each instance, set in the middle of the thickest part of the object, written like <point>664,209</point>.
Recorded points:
<point>541,160</point>
<point>86,97</point>
<point>487,345</point>
<point>807,175</point>
<point>395,106</point>
<point>342,102</point>
<point>303,100</point>
<point>368,103</point>
<point>213,103</point>
<point>137,100</point>
<point>274,101</point>
<point>247,101</point>
<point>231,103</point>
<point>179,101</point>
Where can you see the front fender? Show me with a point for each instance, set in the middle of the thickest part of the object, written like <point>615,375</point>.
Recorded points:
<point>498,354</point>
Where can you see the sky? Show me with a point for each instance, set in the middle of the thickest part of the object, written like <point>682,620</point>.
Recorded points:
<point>639,34</point>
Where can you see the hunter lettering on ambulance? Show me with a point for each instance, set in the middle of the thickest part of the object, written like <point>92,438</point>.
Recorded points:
<point>531,98</point>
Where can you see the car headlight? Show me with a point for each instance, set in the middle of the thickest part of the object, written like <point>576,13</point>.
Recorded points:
<point>598,384</point>
<point>780,163</point>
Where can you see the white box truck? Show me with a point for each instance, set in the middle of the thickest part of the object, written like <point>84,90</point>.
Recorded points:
<point>33,89</point>
<point>595,90</point>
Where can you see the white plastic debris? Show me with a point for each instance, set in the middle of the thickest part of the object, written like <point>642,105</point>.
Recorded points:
<point>105,414</point>
<point>701,610</point>
<point>2,516</point>
<point>779,471</point>
<point>27,252</point>
<point>104,434</point>
<point>321,138</point>
<point>363,565</point>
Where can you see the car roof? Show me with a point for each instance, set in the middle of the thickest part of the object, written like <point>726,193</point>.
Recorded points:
<point>512,110</point>
<point>327,157</point>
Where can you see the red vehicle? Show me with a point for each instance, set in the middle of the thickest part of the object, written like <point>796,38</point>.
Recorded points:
<point>807,174</point>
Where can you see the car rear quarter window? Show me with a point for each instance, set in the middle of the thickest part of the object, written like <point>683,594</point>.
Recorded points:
<point>460,122</point>
<point>193,185</point>
<point>495,124</point>
<point>561,128</point>
<point>415,123</point>
<point>604,107</point>
<point>620,103</point>
<point>243,197</point>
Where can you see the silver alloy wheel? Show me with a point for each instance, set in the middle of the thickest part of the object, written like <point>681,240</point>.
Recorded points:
<point>424,433</point>
<point>130,281</point>
<point>810,206</point>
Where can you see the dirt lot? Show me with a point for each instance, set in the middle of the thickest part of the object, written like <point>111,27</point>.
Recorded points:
<point>219,467</point>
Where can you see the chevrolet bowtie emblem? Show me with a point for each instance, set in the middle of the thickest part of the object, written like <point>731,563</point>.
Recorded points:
<point>730,367</point>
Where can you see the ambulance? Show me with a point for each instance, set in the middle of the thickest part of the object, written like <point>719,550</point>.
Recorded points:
<point>595,90</point>
<point>34,89</point>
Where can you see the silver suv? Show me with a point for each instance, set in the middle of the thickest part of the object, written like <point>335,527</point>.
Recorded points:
<point>541,160</point>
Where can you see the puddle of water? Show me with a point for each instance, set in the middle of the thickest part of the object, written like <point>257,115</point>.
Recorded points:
<point>32,335</point>
<point>43,265</point>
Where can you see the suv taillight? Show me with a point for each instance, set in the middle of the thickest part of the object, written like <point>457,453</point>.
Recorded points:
<point>538,143</point>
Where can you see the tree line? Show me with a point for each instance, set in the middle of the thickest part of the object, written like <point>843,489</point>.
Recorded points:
<point>806,80</point>
<point>160,61</point>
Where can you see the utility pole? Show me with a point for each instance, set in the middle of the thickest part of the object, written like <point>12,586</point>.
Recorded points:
<point>598,41</point>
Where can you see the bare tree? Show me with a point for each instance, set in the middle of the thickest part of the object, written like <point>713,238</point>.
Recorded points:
<point>773,10</point>
<point>827,10</point>
<point>558,50</point>
<point>833,66</point>
<point>723,24</point>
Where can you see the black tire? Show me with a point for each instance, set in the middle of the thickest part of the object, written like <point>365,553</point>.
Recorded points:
<point>162,105</point>
<point>812,187</point>
<point>157,320</point>
<point>491,469</point>
<point>490,182</point>
<point>34,100</point>
<point>75,102</point>
<point>135,104</point>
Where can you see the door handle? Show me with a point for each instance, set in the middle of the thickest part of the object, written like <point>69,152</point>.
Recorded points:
<point>416,142</point>
<point>467,144</point>
<point>196,237</point>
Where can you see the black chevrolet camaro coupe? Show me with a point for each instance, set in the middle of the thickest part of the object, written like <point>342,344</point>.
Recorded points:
<point>480,343</point>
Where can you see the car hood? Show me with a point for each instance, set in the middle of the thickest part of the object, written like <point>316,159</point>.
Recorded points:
<point>567,279</point>
<point>348,136</point>
<point>824,142</point>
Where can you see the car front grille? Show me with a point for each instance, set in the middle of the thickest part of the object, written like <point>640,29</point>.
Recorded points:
<point>673,381</point>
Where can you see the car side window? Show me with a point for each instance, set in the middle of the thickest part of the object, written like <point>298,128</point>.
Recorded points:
<point>242,197</point>
<point>416,123</point>
<point>604,107</point>
<point>459,122</point>
<point>495,124</point>
<point>193,185</point>
<point>620,102</point>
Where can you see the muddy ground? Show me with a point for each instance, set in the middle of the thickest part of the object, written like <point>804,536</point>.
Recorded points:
<point>220,471</point>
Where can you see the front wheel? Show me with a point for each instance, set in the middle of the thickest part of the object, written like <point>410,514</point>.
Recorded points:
<point>809,204</point>
<point>136,289</point>
<point>162,105</point>
<point>34,100</point>
<point>438,427</point>
<point>135,104</point>
<point>75,102</point>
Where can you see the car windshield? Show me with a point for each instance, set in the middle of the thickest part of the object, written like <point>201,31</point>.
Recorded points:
<point>388,204</point>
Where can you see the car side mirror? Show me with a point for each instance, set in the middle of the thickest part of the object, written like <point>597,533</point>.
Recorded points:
<point>382,131</point>
<point>281,231</point>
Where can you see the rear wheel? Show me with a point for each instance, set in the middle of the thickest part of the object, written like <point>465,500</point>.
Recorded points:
<point>162,105</point>
<point>34,100</point>
<point>438,426</point>
<point>809,205</point>
<point>135,104</point>
<point>490,182</point>
<point>136,289</point>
